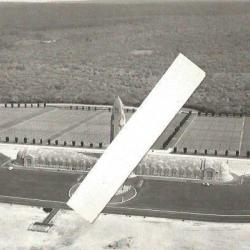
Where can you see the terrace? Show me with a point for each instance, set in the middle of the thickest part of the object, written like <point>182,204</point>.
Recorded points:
<point>187,133</point>
<point>207,134</point>
<point>48,125</point>
<point>64,125</point>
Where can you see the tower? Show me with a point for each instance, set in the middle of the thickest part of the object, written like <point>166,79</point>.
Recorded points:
<point>118,118</point>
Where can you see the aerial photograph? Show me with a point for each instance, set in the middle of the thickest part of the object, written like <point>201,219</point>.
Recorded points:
<point>124,124</point>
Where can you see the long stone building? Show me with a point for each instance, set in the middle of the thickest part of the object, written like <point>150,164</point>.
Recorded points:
<point>57,159</point>
<point>158,165</point>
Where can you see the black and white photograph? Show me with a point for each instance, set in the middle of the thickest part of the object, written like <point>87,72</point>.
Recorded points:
<point>124,124</point>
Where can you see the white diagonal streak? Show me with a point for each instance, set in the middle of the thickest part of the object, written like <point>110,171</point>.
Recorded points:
<point>136,138</point>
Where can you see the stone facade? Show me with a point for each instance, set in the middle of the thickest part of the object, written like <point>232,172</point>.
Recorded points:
<point>161,165</point>
<point>58,159</point>
<point>164,165</point>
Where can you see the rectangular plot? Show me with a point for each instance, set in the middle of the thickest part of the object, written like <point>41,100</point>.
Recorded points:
<point>95,130</point>
<point>92,131</point>
<point>46,125</point>
<point>12,116</point>
<point>212,133</point>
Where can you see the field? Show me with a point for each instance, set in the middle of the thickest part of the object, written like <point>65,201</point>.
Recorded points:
<point>194,132</point>
<point>11,117</point>
<point>64,125</point>
<point>212,133</point>
<point>89,53</point>
<point>49,125</point>
<point>95,130</point>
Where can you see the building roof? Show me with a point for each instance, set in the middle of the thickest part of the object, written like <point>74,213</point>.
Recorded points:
<point>57,155</point>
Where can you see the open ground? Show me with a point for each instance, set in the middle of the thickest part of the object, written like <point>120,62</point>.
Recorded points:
<point>90,53</point>
<point>109,231</point>
<point>87,126</point>
<point>225,135</point>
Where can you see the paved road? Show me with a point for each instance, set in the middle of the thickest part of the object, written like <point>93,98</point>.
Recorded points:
<point>155,198</point>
